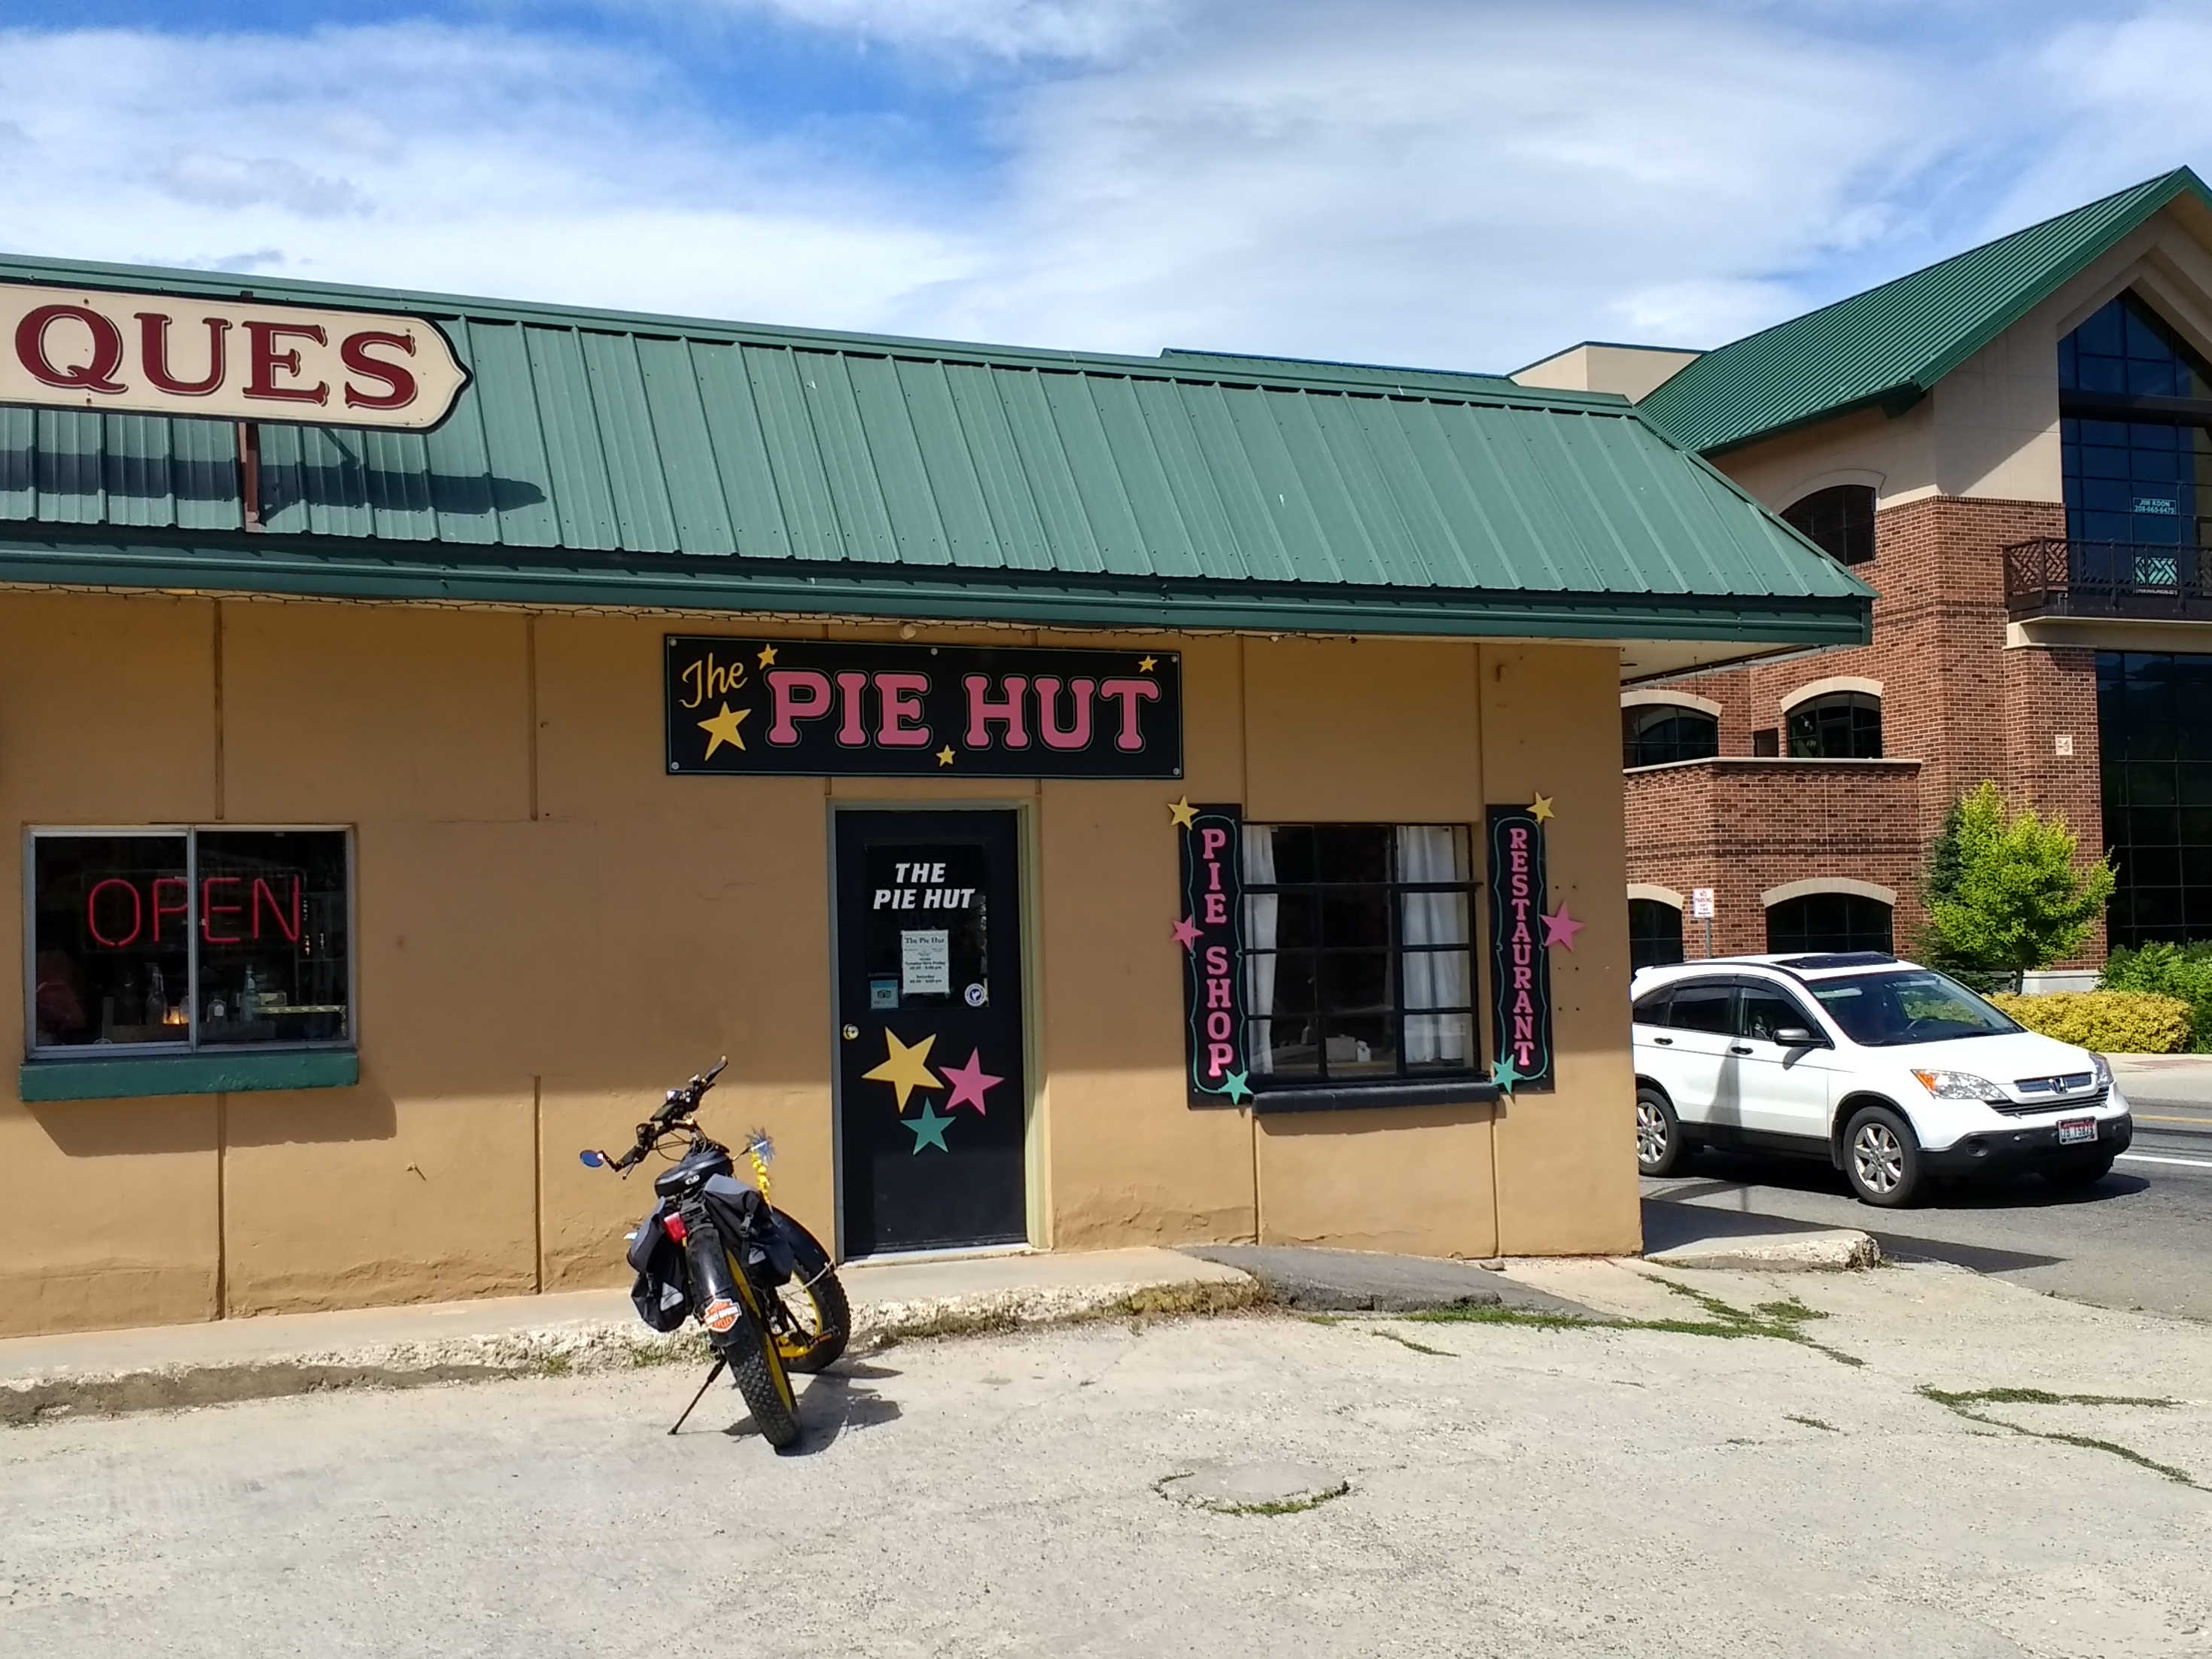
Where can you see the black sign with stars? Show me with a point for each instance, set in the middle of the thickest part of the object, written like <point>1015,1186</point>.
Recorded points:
<point>829,708</point>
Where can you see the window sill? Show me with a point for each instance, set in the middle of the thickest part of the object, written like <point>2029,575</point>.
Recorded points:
<point>1359,1097</point>
<point>155,1076</point>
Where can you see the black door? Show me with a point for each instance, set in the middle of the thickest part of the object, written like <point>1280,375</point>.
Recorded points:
<point>929,1015</point>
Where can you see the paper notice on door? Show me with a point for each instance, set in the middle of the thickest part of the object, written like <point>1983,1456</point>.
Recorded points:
<point>925,962</point>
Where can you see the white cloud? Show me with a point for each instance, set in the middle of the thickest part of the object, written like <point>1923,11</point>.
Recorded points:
<point>1423,181</point>
<point>1072,29</point>
<point>1463,185</point>
<point>427,157</point>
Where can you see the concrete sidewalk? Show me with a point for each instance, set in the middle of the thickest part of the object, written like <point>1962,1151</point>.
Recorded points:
<point>172,1366</point>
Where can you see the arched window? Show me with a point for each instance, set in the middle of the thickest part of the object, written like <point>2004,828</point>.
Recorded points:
<point>1840,726</point>
<point>1654,733</point>
<point>1655,933</point>
<point>1838,520</point>
<point>2135,444</point>
<point>1817,923</point>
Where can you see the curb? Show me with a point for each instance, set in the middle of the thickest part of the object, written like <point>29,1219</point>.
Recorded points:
<point>1841,1251</point>
<point>583,1347</point>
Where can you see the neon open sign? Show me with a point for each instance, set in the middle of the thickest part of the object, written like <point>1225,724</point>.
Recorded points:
<point>118,914</point>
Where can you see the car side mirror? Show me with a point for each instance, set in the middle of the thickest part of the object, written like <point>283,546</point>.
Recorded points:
<point>1796,1037</point>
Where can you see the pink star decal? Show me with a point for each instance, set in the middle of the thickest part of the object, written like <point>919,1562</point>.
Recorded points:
<point>970,1083</point>
<point>1186,933</point>
<point>1561,928</point>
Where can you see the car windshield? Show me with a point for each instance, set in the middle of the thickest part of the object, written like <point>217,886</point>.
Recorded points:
<point>1881,1010</point>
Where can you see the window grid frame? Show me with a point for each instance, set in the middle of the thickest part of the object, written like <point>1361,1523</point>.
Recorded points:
<point>1396,950</point>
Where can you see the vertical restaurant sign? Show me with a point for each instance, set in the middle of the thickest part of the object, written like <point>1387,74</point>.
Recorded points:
<point>1212,934</point>
<point>1520,966</point>
<point>231,359</point>
<point>766,707</point>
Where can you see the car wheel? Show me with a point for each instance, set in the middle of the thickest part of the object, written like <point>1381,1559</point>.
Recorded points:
<point>1660,1148</point>
<point>2087,1169</point>
<point>1881,1157</point>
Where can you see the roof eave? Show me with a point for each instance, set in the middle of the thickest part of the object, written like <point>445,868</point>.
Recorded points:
<point>272,566</point>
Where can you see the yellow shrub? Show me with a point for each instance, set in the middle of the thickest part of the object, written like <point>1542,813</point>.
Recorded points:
<point>2110,1021</point>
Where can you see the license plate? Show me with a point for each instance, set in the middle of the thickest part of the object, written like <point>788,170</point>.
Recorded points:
<point>2077,1129</point>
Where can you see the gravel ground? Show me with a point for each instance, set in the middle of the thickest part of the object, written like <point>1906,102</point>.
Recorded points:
<point>1513,1490</point>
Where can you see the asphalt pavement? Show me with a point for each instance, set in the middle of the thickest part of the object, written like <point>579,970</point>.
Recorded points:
<point>1476,1489</point>
<point>2140,1238</point>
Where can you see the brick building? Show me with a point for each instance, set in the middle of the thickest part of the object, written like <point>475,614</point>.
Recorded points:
<point>2014,449</point>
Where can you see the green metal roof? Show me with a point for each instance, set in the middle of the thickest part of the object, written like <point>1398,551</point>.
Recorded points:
<point>613,459</point>
<point>1890,345</point>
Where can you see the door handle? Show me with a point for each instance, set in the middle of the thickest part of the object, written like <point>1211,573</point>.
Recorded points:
<point>1740,1049</point>
<point>1664,1042</point>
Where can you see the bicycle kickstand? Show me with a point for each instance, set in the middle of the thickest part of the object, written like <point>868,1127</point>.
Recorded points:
<point>702,1395</point>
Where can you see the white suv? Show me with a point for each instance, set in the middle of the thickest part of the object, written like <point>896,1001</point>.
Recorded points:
<point>1890,1072</point>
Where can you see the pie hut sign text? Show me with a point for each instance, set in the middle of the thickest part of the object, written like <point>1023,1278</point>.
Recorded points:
<point>834,708</point>
<point>168,353</point>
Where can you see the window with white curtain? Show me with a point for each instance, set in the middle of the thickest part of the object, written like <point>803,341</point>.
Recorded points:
<point>1357,953</point>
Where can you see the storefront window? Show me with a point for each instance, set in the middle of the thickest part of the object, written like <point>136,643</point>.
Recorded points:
<point>1657,734</point>
<point>1357,960</point>
<point>183,939</point>
<point>1841,725</point>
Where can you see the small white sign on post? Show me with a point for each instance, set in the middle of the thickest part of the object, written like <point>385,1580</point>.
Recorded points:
<point>1701,904</point>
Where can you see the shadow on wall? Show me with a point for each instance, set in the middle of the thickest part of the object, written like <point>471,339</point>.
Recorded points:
<point>352,485</point>
<point>106,1128</point>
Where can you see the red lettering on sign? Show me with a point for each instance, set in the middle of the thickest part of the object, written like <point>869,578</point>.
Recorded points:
<point>983,712</point>
<point>398,381</point>
<point>262,889</point>
<point>154,350</point>
<point>92,913</point>
<point>98,375</point>
<point>210,910</point>
<point>1129,694</point>
<point>799,694</point>
<point>265,362</point>
<point>180,907</point>
<point>852,727</point>
<point>900,727</point>
<point>1077,733</point>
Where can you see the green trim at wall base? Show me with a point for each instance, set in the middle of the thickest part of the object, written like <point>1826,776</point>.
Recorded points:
<point>187,1074</point>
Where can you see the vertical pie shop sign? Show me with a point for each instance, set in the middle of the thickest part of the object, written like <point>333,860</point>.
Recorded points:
<point>1210,931</point>
<point>1521,967</point>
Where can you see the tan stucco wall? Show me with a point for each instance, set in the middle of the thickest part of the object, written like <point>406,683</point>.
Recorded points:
<point>550,928</point>
<point>1630,371</point>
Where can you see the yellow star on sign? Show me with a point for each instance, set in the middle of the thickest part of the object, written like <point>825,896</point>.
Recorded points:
<point>1183,812</point>
<point>1145,665</point>
<point>906,1069</point>
<point>1542,807</point>
<point>767,656</point>
<point>945,755</point>
<point>723,728</point>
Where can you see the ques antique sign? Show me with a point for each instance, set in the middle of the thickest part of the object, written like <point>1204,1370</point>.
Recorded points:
<point>835,708</point>
<point>165,353</point>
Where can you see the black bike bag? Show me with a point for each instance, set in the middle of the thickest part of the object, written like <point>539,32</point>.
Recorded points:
<point>658,1294</point>
<point>750,1226</point>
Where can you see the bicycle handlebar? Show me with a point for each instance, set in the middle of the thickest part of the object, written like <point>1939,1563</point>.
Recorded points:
<point>680,1105</point>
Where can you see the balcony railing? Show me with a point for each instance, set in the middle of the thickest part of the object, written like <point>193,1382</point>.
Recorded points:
<point>2054,577</point>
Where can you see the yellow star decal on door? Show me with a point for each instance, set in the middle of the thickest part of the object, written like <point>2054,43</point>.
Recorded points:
<point>1183,812</point>
<point>1541,809</point>
<point>945,755</point>
<point>906,1069</point>
<point>767,656</point>
<point>723,728</point>
<point>1145,665</point>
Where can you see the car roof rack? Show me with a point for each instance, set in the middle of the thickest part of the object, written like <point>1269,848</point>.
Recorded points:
<point>1837,959</point>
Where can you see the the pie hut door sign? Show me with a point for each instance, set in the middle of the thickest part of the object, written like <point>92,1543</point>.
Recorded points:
<point>931,1089</point>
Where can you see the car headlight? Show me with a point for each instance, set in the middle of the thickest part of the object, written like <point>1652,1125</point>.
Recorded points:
<point>1958,1085</point>
<point>2104,1072</point>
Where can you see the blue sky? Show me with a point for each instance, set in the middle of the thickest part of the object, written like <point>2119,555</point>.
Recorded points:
<point>1461,183</point>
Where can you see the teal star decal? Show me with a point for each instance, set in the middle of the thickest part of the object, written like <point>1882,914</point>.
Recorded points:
<point>1505,1074</point>
<point>1237,1086</point>
<point>928,1128</point>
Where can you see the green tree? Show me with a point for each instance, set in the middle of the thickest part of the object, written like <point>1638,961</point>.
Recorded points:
<point>2003,894</point>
